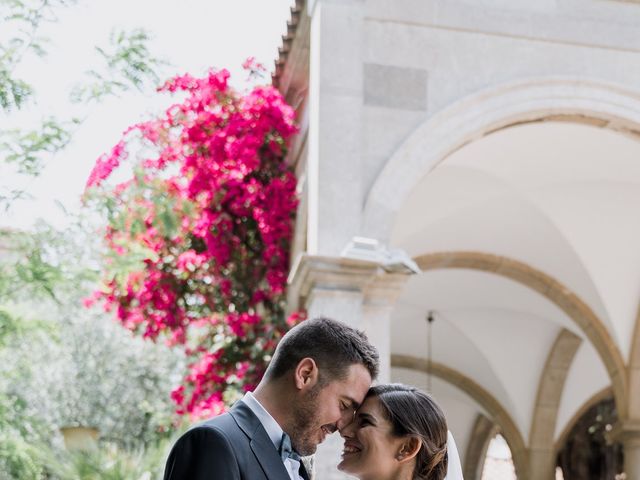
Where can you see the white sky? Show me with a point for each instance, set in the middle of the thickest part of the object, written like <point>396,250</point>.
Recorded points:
<point>193,35</point>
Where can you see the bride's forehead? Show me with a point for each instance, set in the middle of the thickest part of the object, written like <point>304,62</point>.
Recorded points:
<point>370,405</point>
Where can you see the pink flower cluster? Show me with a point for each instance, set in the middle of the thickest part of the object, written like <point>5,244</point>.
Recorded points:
<point>199,238</point>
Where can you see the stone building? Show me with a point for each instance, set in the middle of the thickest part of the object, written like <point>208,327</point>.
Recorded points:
<point>478,161</point>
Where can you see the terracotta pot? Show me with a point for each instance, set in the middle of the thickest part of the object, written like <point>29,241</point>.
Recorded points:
<point>80,438</point>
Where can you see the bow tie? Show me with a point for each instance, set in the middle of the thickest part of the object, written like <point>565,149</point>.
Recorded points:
<point>286,451</point>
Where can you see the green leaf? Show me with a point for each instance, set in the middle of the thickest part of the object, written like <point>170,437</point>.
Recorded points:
<point>29,150</point>
<point>13,92</point>
<point>128,64</point>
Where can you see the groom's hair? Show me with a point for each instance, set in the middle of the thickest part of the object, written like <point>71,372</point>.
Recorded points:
<point>333,345</point>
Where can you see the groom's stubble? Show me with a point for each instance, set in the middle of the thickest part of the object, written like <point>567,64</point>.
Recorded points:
<point>305,428</point>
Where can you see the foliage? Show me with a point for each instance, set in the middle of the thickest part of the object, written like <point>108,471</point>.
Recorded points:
<point>23,18</point>
<point>94,373</point>
<point>28,150</point>
<point>44,273</point>
<point>129,64</point>
<point>19,459</point>
<point>198,239</point>
<point>110,462</point>
<point>19,432</point>
<point>46,263</point>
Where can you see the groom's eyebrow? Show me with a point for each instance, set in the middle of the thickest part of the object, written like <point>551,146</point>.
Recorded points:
<point>355,405</point>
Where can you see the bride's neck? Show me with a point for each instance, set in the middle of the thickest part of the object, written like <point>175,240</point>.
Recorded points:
<point>400,474</point>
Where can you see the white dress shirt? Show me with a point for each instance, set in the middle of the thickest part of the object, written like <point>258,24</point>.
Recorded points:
<point>274,431</point>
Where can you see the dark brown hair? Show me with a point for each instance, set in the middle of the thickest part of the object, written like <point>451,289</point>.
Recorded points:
<point>333,345</point>
<point>412,412</point>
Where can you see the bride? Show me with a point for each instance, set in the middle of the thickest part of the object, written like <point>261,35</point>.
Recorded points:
<point>398,433</point>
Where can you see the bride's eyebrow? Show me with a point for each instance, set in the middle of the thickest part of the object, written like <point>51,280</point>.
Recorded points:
<point>366,416</point>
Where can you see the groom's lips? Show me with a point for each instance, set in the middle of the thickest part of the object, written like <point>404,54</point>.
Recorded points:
<point>329,428</point>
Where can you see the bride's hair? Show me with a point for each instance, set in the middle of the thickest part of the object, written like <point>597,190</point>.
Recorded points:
<point>414,413</point>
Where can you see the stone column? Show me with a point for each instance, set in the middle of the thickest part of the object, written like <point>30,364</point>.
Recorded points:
<point>483,431</point>
<point>335,124</point>
<point>357,292</point>
<point>380,297</point>
<point>629,434</point>
<point>542,457</point>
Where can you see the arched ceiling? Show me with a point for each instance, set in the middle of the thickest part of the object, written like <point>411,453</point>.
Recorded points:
<point>562,198</point>
<point>470,307</point>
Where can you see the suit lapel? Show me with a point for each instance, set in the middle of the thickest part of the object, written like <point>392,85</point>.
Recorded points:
<point>261,445</point>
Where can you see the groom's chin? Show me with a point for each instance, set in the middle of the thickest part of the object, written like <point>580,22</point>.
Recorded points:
<point>306,449</point>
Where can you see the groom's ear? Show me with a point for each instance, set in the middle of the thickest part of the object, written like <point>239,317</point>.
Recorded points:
<point>306,373</point>
<point>409,448</point>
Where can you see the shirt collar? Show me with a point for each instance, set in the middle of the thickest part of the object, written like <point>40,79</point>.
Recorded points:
<point>274,431</point>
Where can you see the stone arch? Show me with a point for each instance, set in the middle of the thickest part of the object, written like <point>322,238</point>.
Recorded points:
<point>545,414</point>
<point>551,98</point>
<point>555,292</point>
<point>595,399</point>
<point>499,414</point>
<point>483,431</point>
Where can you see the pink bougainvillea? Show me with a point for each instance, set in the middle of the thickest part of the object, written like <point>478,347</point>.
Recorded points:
<point>198,239</point>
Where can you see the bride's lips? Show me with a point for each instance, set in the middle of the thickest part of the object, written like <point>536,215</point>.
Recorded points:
<point>350,448</point>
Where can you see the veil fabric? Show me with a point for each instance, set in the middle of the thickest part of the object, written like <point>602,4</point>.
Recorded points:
<point>454,468</point>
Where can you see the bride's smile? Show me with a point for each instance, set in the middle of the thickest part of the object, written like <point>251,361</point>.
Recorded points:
<point>398,433</point>
<point>370,447</point>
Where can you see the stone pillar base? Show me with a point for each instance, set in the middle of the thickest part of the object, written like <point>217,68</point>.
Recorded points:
<point>628,433</point>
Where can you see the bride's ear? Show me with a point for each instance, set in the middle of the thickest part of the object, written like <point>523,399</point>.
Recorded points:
<point>409,448</point>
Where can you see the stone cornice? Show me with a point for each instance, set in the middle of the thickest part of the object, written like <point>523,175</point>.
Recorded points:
<point>339,273</point>
<point>288,38</point>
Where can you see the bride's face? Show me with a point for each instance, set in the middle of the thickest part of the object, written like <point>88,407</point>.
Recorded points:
<point>370,448</point>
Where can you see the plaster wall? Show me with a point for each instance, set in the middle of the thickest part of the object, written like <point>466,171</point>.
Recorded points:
<point>379,69</point>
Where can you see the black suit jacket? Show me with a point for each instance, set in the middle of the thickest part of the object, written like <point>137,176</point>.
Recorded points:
<point>232,446</point>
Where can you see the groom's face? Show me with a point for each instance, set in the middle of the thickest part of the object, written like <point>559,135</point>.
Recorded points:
<point>324,409</point>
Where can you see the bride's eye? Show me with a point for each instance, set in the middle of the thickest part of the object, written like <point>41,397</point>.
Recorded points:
<point>365,422</point>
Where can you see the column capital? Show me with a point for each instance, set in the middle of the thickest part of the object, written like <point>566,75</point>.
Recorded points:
<point>310,272</point>
<point>367,277</point>
<point>627,432</point>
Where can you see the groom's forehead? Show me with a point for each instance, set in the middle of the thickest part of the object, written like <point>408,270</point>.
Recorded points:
<point>354,386</point>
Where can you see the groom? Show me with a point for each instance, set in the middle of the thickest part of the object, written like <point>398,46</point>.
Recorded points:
<point>319,375</point>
